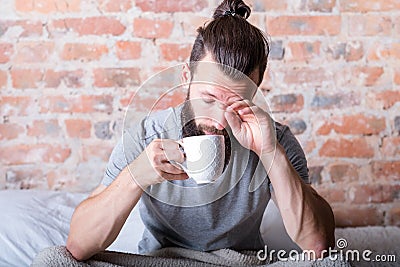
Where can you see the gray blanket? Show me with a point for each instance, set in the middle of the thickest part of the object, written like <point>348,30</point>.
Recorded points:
<point>179,257</point>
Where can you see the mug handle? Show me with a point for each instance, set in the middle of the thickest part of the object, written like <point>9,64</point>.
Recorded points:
<point>177,164</point>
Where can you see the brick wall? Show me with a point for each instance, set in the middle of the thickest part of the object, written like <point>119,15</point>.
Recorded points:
<point>69,67</point>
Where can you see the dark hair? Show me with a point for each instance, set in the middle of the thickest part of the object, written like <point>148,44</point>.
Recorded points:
<point>232,41</point>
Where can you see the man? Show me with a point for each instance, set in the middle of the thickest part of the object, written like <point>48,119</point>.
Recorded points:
<point>140,165</point>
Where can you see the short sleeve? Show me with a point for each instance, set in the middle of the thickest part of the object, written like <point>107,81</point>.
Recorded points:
<point>294,152</point>
<point>126,150</point>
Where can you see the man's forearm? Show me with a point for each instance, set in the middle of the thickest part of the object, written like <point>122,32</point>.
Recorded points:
<point>308,218</point>
<point>97,221</point>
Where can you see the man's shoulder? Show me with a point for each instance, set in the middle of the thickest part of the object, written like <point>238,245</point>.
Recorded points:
<point>282,130</point>
<point>285,136</point>
<point>157,123</point>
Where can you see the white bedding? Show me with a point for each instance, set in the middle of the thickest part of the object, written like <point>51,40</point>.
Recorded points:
<point>32,220</point>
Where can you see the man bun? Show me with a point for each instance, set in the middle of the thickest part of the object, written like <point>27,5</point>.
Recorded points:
<point>232,42</point>
<point>232,8</point>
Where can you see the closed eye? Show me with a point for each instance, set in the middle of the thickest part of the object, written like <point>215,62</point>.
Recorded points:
<point>208,100</point>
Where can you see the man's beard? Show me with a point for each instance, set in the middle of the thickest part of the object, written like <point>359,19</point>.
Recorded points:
<point>190,128</point>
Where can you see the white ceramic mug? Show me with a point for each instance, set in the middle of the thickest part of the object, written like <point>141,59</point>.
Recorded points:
<point>205,157</point>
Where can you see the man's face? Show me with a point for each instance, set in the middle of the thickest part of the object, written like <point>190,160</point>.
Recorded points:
<point>211,92</point>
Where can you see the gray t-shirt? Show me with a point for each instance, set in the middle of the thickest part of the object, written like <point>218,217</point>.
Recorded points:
<point>224,214</point>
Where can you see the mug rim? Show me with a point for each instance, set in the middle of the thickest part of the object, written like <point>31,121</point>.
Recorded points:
<point>203,136</point>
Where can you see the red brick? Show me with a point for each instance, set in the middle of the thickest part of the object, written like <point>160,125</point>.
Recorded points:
<point>171,99</point>
<point>76,104</point>
<point>172,6</point>
<point>275,5</point>
<point>350,51</point>
<point>71,79</point>
<point>3,79</point>
<point>90,26</point>
<point>152,28</point>
<point>287,103</point>
<point>356,215</point>
<point>257,19</point>
<point>315,174</point>
<point>47,6</point>
<point>384,99</point>
<point>53,178</point>
<point>368,76</point>
<point>332,194</point>
<point>262,6</point>
<point>396,78</point>
<point>128,50</point>
<point>321,5</point>
<point>159,78</point>
<point>343,173</point>
<point>369,5</point>
<point>353,124</point>
<point>26,78</point>
<point>24,178</point>
<point>15,105</point>
<point>308,146</point>
<point>78,128</point>
<point>175,52</point>
<point>396,29</point>
<point>101,151</point>
<point>25,28</point>
<point>6,51</point>
<point>191,22</point>
<point>335,100</point>
<point>125,100</point>
<point>116,77</point>
<point>156,102</point>
<point>347,148</point>
<point>277,50</point>
<point>369,25</point>
<point>394,215</point>
<point>389,170</point>
<point>386,51</point>
<point>391,146</point>
<point>304,75</point>
<point>373,193</point>
<point>10,131</point>
<point>396,125</point>
<point>83,52</point>
<point>43,128</point>
<point>114,5</point>
<point>33,52</point>
<point>354,51</point>
<point>303,51</point>
<point>25,154</point>
<point>296,125</point>
<point>267,82</point>
<point>303,25</point>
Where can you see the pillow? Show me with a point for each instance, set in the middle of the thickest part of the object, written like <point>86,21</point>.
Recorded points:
<point>32,220</point>
<point>130,235</point>
<point>273,230</point>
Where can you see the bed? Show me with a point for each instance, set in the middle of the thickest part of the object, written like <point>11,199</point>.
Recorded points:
<point>32,220</point>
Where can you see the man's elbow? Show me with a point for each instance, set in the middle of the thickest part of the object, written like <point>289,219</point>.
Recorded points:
<point>74,247</point>
<point>320,249</point>
<point>320,244</point>
<point>319,241</point>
